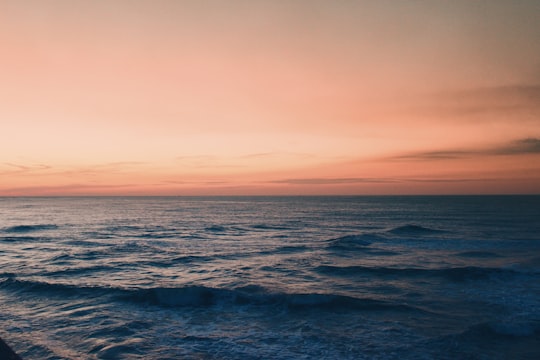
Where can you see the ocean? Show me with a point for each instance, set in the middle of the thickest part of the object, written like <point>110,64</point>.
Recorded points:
<point>373,277</point>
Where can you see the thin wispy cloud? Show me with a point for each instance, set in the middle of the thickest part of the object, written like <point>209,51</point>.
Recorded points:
<point>330,181</point>
<point>453,180</point>
<point>277,154</point>
<point>193,182</point>
<point>105,168</point>
<point>12,169</point>
<point>258,155</point>
<point>343,181</point>
<point>434,155</point>
<point>75,188</point>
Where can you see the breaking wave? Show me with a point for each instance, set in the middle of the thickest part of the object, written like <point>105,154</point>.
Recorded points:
<point>455,274</point>
<point>202,296</point>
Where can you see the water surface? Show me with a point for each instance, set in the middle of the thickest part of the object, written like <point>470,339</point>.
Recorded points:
<point>271,277</point>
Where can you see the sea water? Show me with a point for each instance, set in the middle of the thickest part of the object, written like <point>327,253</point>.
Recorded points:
<point>418,277</point>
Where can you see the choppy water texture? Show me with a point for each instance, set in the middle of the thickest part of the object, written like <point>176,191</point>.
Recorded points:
<point>274,278</point>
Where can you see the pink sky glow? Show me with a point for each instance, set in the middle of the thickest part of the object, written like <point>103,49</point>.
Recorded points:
<point>269,97</point>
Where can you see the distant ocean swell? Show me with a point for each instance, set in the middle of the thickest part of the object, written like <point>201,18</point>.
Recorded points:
<point>158,232</point>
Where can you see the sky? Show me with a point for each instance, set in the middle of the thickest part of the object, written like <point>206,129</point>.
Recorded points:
<point>254,97</point>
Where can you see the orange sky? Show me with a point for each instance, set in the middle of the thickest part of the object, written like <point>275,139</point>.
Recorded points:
<point>246,97</point>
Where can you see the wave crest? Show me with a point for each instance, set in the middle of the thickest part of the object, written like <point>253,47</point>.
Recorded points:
<point>411,229</point>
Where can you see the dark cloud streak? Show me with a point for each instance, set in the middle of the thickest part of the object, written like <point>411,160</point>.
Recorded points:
<point>337,181</point>
<point>330,181</point>
<point>517,147</point>
<point>522,146</point>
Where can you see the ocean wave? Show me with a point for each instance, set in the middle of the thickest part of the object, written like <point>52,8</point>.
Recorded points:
<point>30,228</point>
<point>184,259</point>
<point>157,235</point>
<point>135,246</point>
<point>456,274</point>
<point>532,263</point>
<point>289,249</point>
<point>206,296</point>
<point>202,296</point>
<point>362,240</point>
<point>7,275</point>
<point>192,258</point>
<point>340,302</point>
<point>516,328</point>
<point>81,270</point>
<point>353,242</point>
<point>502,338</point>
<point>478,254</point>
<point>122,228</point>
<point>512,329</point>
<point>281,250</point>
<point>137,231</point>
<point>411,229</point>
<point>15,284</point>
<point>215,228</point>
<point>270,227</point>
<point>20,238</point>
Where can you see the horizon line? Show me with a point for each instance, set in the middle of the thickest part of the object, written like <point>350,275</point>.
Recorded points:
<point>266,196</point>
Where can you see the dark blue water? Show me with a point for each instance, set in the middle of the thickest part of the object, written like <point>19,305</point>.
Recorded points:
<point>271,277</point>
